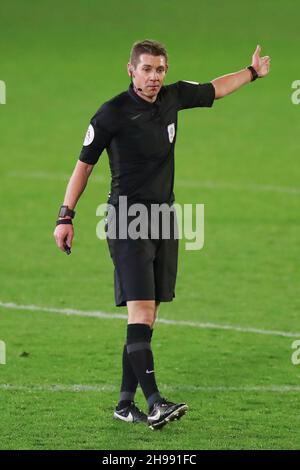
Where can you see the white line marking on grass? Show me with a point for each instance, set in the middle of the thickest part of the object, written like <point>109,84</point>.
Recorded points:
<point>236,187</point>
<point>241,329</point>
<point>75,388</point>
<point>50,176</point>
<point>65,311</point>
<point>59,388</point>
<point>121,316</point>
<point>186,183</point>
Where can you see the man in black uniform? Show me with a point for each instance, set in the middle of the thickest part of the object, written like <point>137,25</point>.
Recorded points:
<point>138,129</point>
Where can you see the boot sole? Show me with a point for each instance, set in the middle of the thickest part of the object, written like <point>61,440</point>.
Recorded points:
<point>174,416</point>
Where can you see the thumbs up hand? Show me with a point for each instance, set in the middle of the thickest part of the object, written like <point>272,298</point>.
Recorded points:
<point>261,64</point>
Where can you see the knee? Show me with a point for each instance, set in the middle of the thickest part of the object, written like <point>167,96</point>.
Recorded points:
<point>144,315</point>
<point>141,313</point>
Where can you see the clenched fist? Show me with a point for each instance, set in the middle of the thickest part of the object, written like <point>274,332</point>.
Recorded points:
<point>63,235</point>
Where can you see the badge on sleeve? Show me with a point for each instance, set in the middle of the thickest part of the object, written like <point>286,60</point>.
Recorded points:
<point>171,132</point>
<point>89,136</point>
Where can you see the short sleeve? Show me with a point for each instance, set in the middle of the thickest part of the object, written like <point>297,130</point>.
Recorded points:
<point>98,136</point>
<point>195,95</point>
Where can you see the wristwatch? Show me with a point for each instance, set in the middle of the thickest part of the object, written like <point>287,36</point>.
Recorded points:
<point>66,211</point>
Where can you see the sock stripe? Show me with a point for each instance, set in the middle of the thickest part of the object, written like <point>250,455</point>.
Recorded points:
<point>137,347</point>
<point>126,396</point>
<point>153,398</point>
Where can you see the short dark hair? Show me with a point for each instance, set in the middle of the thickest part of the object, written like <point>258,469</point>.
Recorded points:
<point>147,46</point>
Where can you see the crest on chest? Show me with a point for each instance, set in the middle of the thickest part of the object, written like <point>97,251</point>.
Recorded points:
<point>171,132</point>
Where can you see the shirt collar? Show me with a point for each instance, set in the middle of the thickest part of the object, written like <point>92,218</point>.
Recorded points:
<point>141,101</point>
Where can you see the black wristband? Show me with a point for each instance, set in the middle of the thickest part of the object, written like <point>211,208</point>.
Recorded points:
<point>254,74</point>
<point>64,221</point>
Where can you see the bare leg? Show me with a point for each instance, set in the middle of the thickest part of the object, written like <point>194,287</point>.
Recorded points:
<point>141,311</point>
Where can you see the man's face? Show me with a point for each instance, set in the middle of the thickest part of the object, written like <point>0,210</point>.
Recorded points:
<point>149,75</point>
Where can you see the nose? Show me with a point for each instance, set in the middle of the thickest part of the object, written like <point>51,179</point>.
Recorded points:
<point>154,76</point>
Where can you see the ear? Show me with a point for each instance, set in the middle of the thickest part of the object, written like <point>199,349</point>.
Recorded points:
<point>130,69</point>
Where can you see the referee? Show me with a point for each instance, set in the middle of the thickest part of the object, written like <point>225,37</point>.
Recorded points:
<point>138,128</point>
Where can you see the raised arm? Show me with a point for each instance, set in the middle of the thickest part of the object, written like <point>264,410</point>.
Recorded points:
<point>233,81</point>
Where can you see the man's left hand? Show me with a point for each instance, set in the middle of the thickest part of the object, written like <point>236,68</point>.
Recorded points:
<point>261,64</point>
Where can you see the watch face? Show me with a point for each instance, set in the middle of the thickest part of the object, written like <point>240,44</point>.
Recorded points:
<point>63,211</point>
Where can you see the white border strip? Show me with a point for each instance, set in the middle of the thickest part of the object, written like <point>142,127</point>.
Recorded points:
<point>113,316</point>
<point>75,388</point>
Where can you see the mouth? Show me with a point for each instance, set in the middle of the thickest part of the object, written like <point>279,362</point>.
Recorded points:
<point>154,87</point>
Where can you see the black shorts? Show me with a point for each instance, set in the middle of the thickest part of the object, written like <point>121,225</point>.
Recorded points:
<point>145,269</point>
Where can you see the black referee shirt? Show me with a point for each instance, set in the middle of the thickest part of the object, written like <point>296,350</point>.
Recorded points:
<point>140,137</point>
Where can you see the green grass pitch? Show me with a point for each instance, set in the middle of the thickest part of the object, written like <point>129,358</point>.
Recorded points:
<point>60,61</point>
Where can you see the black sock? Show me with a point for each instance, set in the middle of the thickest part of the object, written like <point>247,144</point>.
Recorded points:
<point>129,382</point>
<point>141,359</point>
